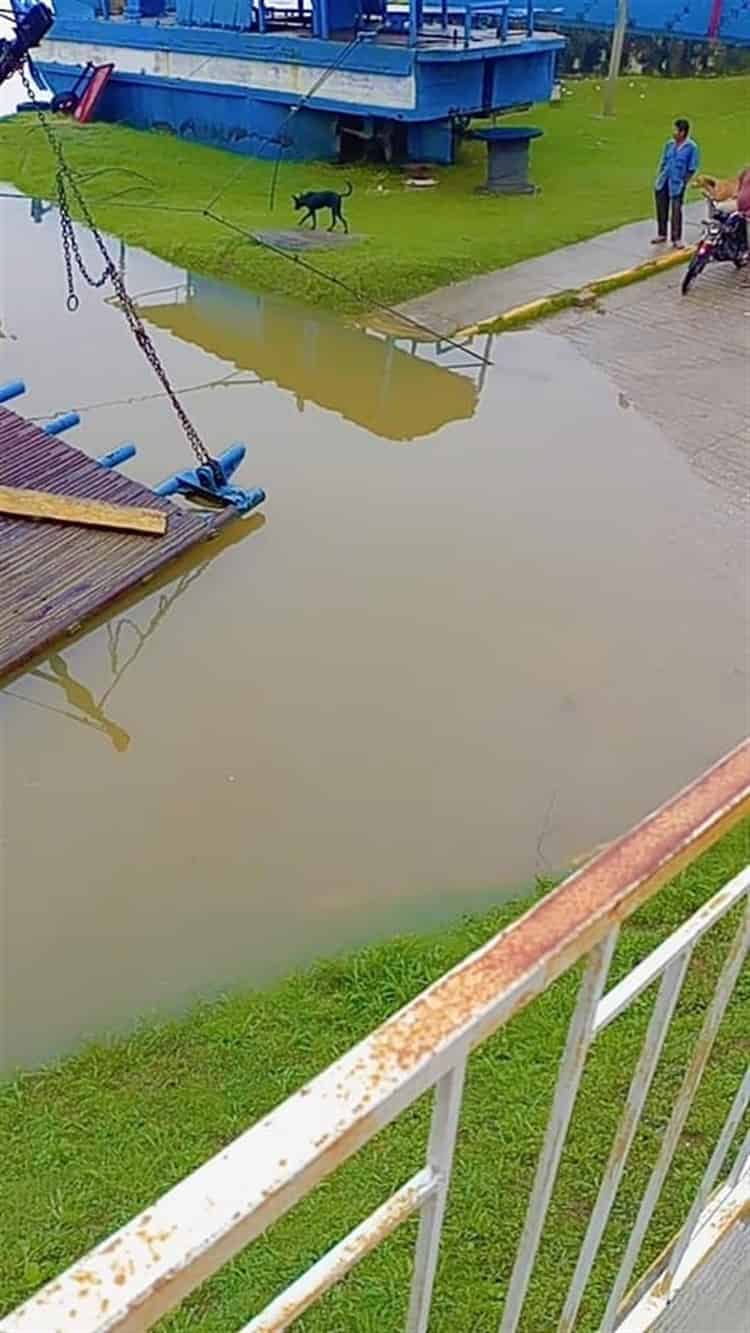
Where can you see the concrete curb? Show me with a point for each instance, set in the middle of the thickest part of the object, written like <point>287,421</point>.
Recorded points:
<point>556,301</point>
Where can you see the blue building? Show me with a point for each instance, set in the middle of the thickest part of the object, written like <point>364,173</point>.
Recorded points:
<point>396,78</point>
<point>725,21</point>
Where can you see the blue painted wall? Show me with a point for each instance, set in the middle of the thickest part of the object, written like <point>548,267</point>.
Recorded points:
<point>81,9</point>
<point>233,14</point>
<point>432,141</point>
<point>692,19</point>
<point>490,83</point>
<point>209,113</point>
<point>518,81</point>
<point>449,81</point>
<point>679,18</point>
<point>367,56</point>
<point>444,86</point>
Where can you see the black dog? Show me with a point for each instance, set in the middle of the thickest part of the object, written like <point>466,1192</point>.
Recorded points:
<point>314,200</point>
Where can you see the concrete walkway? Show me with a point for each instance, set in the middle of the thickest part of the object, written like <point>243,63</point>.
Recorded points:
<point>464,303</point>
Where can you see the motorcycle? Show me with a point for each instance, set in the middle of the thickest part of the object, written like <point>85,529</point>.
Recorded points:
<point>724,239</point>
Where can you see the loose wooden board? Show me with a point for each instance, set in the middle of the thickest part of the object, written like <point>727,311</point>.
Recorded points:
<point>23,503</point>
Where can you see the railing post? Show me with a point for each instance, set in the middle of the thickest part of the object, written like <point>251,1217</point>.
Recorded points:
<point>443,1130</point>
<point>731,1124</point>
<point>741,1161</point>
<point>694,1073</point>
<point>661,1017</point>
<point>580,1033</point>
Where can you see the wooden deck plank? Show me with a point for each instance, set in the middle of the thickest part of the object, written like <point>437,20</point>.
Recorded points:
<point>20,502</point>
<point>55,576</point>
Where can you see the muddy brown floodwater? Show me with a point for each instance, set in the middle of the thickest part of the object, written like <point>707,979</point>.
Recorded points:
<point>486,621</point>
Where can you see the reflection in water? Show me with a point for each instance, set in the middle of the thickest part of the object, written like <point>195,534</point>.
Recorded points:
<point>90,711</point>
<point>38,210</point>
<point>400,387</point>
<point>387,384</point>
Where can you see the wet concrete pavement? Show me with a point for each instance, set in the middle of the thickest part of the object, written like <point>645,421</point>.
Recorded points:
<point>681,361</point>
<point>464,304</point>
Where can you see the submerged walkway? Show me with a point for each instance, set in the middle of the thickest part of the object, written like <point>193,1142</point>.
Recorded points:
<point>476,299</point>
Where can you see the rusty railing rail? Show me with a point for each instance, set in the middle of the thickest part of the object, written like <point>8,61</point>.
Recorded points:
<point>147,1268</point>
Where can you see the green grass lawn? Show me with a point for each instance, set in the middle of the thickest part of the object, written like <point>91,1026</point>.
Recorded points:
<point>89,1143</point>
<point>594,174</point>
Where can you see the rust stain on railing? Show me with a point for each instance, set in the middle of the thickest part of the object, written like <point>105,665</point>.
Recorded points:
<point>573,916</point>
<point>208,1217</point>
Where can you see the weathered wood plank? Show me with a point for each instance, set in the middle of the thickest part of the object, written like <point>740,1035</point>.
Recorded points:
<point>24,503</point>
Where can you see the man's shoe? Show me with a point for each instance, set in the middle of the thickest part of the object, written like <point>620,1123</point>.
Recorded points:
<point>659,240</point>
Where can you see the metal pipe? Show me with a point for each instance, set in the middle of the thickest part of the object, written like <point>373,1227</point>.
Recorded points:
<point>65,422</point>
<point>615,57</point>
<point>231,458</point>
<point>170,486</point>
<point>117,456</point>
<point>413,23</point>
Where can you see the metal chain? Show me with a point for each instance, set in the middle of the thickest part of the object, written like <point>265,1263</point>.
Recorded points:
<point>70,248</point>
<point>65,182</point>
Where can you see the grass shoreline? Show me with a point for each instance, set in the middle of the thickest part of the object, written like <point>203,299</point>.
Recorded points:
<point>594,175</point>
<point>97,1137</point>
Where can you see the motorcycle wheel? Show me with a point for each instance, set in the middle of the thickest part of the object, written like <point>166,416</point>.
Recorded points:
<point>696,266</point>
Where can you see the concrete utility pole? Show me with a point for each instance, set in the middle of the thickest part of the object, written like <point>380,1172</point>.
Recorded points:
<point>615,57</point>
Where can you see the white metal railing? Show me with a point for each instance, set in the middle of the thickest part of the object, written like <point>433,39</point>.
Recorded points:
<point>151,1264</point>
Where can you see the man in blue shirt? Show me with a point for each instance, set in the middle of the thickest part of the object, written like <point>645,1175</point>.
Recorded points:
<point>679,163</point>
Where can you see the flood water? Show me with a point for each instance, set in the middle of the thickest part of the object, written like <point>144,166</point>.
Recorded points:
<point>487,620</point>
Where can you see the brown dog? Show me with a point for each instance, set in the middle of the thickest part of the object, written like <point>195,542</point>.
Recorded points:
<point>717,190</point>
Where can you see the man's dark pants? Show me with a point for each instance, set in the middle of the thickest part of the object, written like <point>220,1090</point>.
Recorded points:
<point>663,202</point>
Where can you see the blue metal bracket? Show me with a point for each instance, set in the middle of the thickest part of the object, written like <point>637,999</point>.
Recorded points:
<point>211,482</point>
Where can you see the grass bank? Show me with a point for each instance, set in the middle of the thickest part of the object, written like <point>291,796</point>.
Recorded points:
<point>595,174</point>
<point>92,1141</point>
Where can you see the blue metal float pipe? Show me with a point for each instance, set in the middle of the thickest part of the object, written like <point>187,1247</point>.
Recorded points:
<point>13,389</point>
<point>62,423</point>
<point>231,459</point>
<point>170,486</point>
<point>117,456</point>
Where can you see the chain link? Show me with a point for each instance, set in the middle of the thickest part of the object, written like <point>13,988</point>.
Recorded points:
<point>66,185</point>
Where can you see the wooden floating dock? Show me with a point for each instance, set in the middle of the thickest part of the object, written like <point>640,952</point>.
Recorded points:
<point>54,576</point>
